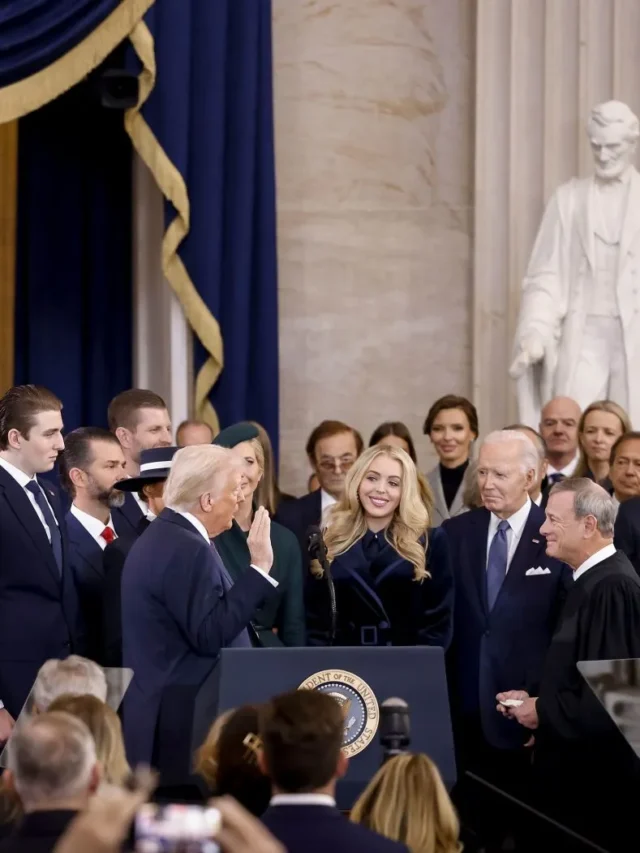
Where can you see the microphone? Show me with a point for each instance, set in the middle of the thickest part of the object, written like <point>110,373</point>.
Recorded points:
<point>395,727</point>
<point>318,551</point>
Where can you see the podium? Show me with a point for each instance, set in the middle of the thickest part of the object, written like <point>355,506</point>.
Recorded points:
<point>361,678</point>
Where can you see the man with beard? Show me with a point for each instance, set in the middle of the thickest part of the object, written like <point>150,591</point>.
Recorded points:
<point>90,466</point>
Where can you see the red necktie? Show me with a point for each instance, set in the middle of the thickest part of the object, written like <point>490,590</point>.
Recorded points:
<point>108,535</point>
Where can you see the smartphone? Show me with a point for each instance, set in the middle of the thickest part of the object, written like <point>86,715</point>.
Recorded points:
<point>176,828</point>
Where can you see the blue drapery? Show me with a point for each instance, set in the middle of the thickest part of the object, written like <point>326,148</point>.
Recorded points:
<point>73,275</point>
<point>34,33</point>
<point>211,111</point>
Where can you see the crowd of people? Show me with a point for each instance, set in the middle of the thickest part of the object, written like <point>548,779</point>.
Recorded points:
<point>156,555</point>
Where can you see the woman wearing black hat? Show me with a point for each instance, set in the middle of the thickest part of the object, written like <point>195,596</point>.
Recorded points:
<point>280,620</point>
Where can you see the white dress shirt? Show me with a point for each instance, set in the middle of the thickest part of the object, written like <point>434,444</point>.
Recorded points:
<point>23,480</point>
<point>302,800</point>
<point>538,500</point>
<point>567,471</point>
<point>202,530</point>
<point>594,559</point>
<point>326,502</point>
<point>517,522</point>
<point>93,526</point>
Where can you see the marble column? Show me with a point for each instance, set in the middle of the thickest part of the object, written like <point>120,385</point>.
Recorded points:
<point>374,147</point>
<point>540,67</point>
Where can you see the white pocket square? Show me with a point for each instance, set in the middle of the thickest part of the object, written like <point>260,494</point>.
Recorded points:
<point>539,571</point>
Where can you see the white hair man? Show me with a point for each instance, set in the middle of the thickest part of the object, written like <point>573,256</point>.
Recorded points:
<point>579,313</point>
<point>508,594</point>
<point>585,766</point>
<point>75,676</point>
<point>179,604</point>
<point>53,769</point>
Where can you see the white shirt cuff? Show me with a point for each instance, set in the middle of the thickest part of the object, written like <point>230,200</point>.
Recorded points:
<point>265,575</point>
<point>1,704</point>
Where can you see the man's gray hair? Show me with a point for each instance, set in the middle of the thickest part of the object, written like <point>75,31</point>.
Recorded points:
<point>590,499</point>
<point>529,456</point>
<point>75,676</point>
<point>196,470</point>
<point>615,112</point>
<point>51,757</point>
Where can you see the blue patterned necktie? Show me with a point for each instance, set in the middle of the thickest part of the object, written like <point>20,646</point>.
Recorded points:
<point>497,562</point>
<point>45,509</point>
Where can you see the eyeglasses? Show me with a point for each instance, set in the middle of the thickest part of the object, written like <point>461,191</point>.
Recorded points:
<point>337,463</point>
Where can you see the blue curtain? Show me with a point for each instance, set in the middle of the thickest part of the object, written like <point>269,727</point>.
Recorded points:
<point>34,33</point>
<point>212,112</point>
<point>73,276</point>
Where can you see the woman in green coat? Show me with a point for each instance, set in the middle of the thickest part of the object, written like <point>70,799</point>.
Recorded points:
<point>280,620</point>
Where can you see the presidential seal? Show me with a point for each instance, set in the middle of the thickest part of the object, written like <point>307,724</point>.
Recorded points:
<point>359,705</point>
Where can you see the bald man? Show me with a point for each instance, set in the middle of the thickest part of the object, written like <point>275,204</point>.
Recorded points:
<point>559,430</point>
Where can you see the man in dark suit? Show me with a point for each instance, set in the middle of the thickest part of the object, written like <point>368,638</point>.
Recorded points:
<point>332,449</point>
<point>179,604</point>
<point>627,531</point>
<point>155,466</point>
<point>140,421</point>
<point>508,598</point>
<point>302,734</point>
<point>54,772</point>
<point>587,774</point>
<point>39,614</point>
<point>90,466</point>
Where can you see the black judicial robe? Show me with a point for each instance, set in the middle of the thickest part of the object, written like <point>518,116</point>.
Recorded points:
<point>585,767</point>
<point>378,601</point>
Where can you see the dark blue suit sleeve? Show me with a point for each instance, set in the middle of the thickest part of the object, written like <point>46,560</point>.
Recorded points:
<point>437,593</point>
<point>209,616</point>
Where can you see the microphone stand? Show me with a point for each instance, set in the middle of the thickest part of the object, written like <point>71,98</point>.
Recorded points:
<point>326,567</point>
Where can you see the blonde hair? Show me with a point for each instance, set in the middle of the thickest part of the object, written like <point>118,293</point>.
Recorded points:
<point>195,470</point>
<point>206,758</point>
<point>599,406</point>
<point>106,730</point>
<point>407,801</point>
<point>347,522</point>
<point>267,493</point>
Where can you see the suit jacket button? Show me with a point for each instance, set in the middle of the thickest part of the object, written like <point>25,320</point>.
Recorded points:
<point>383,626</point>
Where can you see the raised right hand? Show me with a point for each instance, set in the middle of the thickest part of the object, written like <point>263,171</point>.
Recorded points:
<point>530,351</point>
<point>6,725</point>
<point>259,541</point>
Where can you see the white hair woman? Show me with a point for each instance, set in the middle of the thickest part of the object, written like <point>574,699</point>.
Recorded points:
<point>392,587</point>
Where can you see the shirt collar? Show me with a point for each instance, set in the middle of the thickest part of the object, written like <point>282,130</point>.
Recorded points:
<point>538,500</point>
<point>516,521</point>
<point>568,470</point>
<point>594,559</point>
<point>92,525</point>
<point>19,476</point>
<point>302,800</point>
<point>199,526</point>
<point>326,499</point>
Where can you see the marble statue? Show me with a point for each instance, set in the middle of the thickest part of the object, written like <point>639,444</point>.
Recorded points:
<point>578,332</point>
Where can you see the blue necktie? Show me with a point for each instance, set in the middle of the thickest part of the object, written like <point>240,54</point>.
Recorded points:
<point>45,509</point>
<point>556,478</point>
<point>243,640</point>
<point>497,563</point>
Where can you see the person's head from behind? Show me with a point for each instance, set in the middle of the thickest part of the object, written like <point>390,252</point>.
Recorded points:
<point>624,470</point>
<point>31,428</point>
<point>74,676</point>
<point>332,449</point>
<point>507,466</point>
<point>140,420</point>
<point>559,421</point>
<point>205,480</point>
<point>302,733</point>
<point>580,518</point>
<point>382,492</point>
<point>407,801</point>
<point>452,426</point>
<point>193,432</point>
<point>52,763</point>
<point>228,760</point>
<point>106,730</point>
<point>90,465</point>
<point>394,434</point>
<point>538,441</point>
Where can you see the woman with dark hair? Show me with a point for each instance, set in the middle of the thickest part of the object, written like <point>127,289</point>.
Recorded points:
<point>394,434</point>
<point>452,426</point>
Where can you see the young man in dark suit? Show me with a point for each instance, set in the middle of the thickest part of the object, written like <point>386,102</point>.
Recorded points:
<point>508,598</point>
<point>302,734</point>
<point>90,466</point>
<point>140,421</point>
<point>39,614</point>
<point>332,449</point>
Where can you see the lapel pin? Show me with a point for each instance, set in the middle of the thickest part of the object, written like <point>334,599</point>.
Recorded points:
<point>536,541</point>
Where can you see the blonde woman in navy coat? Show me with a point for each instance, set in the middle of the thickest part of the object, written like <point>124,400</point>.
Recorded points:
<point>393,584</point>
